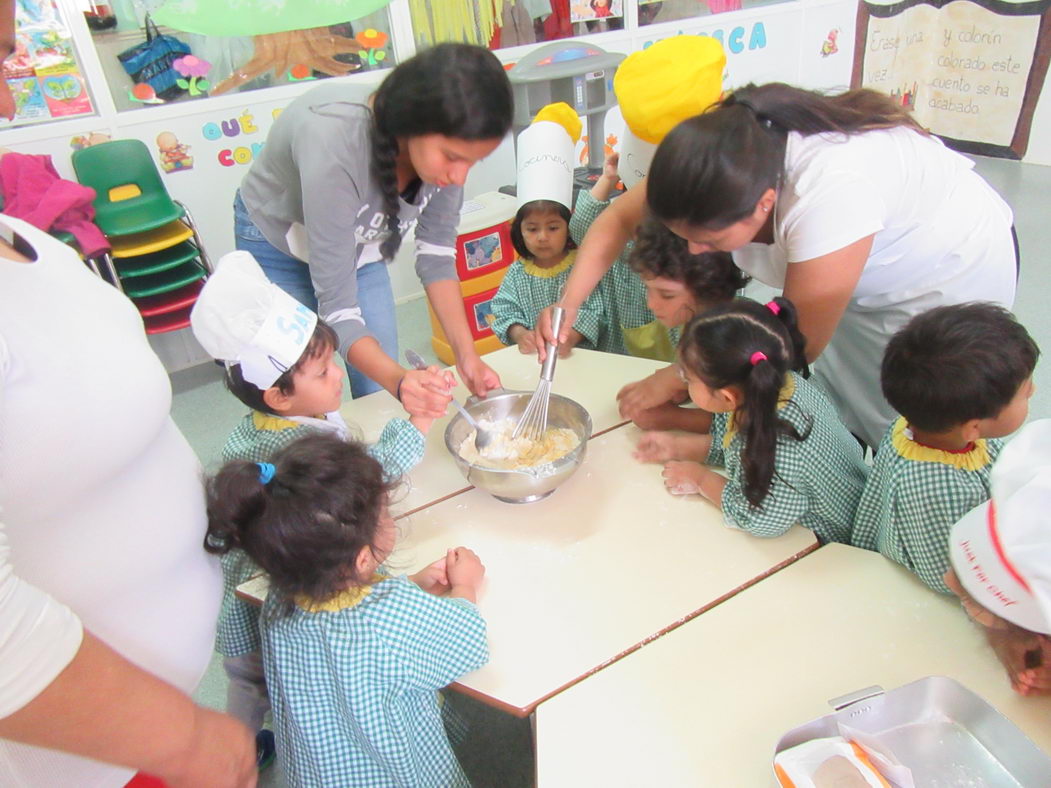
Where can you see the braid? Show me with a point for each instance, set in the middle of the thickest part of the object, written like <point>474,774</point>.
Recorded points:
<point>384,170</point>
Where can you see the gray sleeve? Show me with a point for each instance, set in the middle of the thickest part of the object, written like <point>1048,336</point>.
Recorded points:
<point>331,176</point>
<point>436,236</point>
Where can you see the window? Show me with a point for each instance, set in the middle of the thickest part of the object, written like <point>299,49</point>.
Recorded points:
<point>210,49</point>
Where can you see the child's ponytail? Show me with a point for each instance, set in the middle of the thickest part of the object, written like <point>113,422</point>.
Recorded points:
<point>236,499</point>
<point>787,313</point>
<point>752,347</point>
<point>305,517</point>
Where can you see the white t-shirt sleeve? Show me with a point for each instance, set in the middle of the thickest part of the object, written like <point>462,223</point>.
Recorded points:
<point>830,211</point>
<point>38,636</point>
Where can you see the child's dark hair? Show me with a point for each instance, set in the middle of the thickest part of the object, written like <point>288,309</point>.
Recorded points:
<point>323,342</point>
<point>305,526</point>
<point>722,347</point>
<point>956,363</point>
<point>711,170</point>
<point>541,207</point>
<point>711,277</point>
<point>456,90</point>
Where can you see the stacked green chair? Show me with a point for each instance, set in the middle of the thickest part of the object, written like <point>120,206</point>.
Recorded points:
<point>157,259</point>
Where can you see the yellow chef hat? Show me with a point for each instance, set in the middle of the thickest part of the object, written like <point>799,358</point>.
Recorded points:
<point>664,84</point>
<point>564,115</point>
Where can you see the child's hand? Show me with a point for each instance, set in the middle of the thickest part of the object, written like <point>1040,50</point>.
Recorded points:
<point>464,571</point>
<point>575,338</point>
<point>609,166</point>
<point>526,343</point>
<point>422,423</point>
<point>655,447</point>
<point>433,578</point>
<point>647,393</point>
<point>426,392</point>
<point>683,477</point>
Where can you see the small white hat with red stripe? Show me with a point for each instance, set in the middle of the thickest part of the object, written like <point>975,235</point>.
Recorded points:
<point>1001,550</point>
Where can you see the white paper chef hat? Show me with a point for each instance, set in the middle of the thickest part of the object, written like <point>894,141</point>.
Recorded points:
<point>241,317</point>
<point>545,156</point>
<point>1001,550</point>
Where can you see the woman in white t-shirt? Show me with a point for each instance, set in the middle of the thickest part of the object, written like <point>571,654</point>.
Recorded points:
<point>108,601</point>
<point>845,202</point>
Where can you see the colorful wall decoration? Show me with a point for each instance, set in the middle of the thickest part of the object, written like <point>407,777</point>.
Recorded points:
<point>43,72</point>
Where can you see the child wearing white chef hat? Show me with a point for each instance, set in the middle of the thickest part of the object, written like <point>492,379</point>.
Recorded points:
<point>1001,559</point>
<point>279,362</point>
<point>540,235</point>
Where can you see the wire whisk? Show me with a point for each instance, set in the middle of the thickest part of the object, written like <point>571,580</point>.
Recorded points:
<point>533,423</point>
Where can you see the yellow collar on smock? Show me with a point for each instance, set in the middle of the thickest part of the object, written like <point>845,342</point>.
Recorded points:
<point>533,269</point>
<point>905,445</point>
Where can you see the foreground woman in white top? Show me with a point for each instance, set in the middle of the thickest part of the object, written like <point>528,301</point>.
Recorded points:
<point>108,601</point>
<point>844,201</point>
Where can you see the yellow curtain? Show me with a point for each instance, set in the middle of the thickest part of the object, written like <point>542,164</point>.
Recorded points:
<point>470,21</point>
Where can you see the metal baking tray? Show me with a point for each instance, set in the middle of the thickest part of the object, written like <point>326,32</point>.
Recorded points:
<point>943,732</point>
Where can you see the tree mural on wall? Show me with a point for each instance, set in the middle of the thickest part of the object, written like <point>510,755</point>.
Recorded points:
<point>287,34</point>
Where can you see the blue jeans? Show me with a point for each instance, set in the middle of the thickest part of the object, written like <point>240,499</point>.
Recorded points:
<point>375,297</point>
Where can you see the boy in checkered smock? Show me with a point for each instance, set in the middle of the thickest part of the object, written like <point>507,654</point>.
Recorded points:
<point>678,286</point>
<point>354,656</point>
<point>961,378</point>
<point>787,456</point>
<point>294,388</point>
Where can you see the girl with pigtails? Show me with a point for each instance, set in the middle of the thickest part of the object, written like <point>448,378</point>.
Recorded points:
<point>844,201</point>
<point>788,458</point>
<point>341,179</point>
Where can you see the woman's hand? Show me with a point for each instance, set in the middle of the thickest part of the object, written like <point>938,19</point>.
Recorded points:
<point>542,334</point>
<point>660,387</point>
<point>478,376</point>
<point>426,393</point>
<point>221,753</point>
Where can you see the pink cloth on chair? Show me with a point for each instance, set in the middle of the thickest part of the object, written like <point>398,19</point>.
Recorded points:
<point>34,191</point>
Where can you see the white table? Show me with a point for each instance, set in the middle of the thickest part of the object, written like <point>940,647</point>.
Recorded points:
<point>609,561</point>
<point>587,376</point>
<point>706,704</point>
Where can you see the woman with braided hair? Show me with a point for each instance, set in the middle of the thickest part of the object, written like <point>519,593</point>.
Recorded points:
<point>845,202</point>
<point>342,178</point>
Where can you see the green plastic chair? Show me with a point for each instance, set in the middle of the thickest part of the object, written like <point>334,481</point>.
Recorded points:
<point>125,166</point>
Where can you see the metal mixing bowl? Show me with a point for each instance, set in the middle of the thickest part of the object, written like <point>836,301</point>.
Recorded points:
<point>528,485</point>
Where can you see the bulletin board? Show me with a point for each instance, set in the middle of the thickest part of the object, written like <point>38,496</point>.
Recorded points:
<point>970,71</point>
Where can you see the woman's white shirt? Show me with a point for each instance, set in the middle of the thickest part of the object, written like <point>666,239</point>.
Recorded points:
<point>941,236</point>
<point>100,495</point>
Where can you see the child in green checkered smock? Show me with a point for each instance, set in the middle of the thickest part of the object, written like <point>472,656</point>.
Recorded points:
<point>678,286</point>
<point>632,328</point>
<point>256,438</point>
<point>961,377</point>
<point>354,656</point>
<point>787,456</point>
<point>540,235</point>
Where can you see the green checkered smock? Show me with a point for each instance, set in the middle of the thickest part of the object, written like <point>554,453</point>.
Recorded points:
<point>621,290</point>
<point>817,481</point>
<point>526,290</point>
<point>256,439</point>
<point>915,495</point>
<point>354,685</point>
